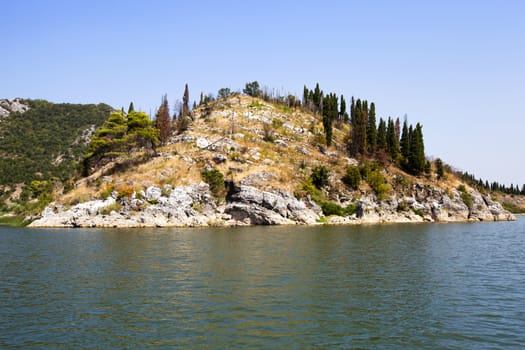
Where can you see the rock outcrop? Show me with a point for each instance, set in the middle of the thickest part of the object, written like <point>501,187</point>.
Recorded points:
<point>14,105</point>
<point>185,206</point>
<point>188,206</point>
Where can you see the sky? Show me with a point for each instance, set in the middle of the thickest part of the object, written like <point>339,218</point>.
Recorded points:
<point>457,67</point>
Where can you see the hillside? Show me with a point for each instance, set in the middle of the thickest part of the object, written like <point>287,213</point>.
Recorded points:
<point>246,161</point>
<point>41,144</point>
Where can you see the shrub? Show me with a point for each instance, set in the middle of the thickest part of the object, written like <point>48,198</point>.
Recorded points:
<point>320,176</point>
<point>215,179</point>
<point>418,212</point>
<point>112,207</point>
<point>352,177</point>
<point>467,199</point>
<point>106,191</point>
<point>402,206</point>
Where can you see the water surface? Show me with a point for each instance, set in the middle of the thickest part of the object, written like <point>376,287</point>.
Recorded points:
<point>417,286</point>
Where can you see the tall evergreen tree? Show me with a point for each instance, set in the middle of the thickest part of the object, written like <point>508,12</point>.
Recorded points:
<point>131,108</point>
<point>381,135</point>
<point>343,115</point>
<point>439,169</point>
<point>330,114</point>
<point>398,129</point>
<point>371,130</point>
<point>317,98</point>
<point>405,145</point>
<point>416,162</point>
<point>359,122</point>
<point>185,102</point>
<point>163,121</point>
<point>391,140</point>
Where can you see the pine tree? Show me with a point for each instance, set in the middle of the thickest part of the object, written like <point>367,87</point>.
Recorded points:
<point>371,130</point>
<point>163,121</point>
<point>185,102</point>
<point>131,108</point>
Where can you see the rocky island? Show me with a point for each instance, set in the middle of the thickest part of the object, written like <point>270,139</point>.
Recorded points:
<point>251,160</point>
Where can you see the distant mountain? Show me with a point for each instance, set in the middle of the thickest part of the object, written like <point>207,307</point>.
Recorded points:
<point>42,141</point>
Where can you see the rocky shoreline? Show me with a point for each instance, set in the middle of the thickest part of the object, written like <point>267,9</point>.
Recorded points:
<point>194,206</point>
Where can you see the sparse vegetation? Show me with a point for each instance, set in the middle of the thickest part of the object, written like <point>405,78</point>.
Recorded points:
<point>215,179</point>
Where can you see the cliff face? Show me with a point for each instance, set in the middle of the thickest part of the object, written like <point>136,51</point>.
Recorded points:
<point>266,153</point>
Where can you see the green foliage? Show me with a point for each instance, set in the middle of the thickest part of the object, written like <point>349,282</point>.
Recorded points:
<point>119,136</point>
<point>467,199</point>
<point>163,121</point>
<point>377,181</point>
<point>319,176</point>
<point>252,89</point>
<point>403,206</point>
<point>330,113</point>
<point>513,208</point>
<point>418,212</point>
<point>46,141</point>
<point>439,168</point>
<point>106,191</point>
<point>255,104</point>
<point>215,179</point>
<point>109,208</point>
<point>224,92</point>
<point>328,207</point>
<point>359,121</point>
<point>13,221</point>
<point>352,177</point>
<point>462,188</point>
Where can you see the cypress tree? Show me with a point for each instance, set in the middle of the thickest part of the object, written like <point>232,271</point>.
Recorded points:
<point>381,135</point>
<point>343,115</point>
<point>185,102</point>
<point>416,163</point>
<point>371,130</point>
<point>440,171</point>
<point>398,129</point>
<point>317,98</point>
<point>329,115</point>
<point>391,141</point>
<point>405,145</point>
<point>359,123</point>
<point>163,121</point>
<point>131,108</point>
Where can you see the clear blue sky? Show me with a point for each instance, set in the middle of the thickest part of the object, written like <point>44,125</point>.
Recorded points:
<point>458,67</point>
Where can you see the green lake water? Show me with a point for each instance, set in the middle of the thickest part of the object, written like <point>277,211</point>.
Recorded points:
<point>417,286</point>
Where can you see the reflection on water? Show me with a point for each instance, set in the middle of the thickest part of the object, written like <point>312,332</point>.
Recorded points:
<point>380,287</point>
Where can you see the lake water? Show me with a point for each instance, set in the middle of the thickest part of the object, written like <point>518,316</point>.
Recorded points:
<point>418,286</point>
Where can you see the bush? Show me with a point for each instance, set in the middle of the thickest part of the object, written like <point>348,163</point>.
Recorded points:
<point>352,177</point>
<point>467,199</point>
<point>112,207</point>
<point>378,183</point>
<point>215,179</point>
<point>320,176</point>
<point>402,206</point>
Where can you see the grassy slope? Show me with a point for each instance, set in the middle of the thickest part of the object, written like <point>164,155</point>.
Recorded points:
<point>182,162</point>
